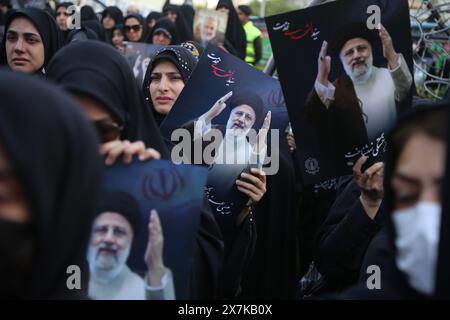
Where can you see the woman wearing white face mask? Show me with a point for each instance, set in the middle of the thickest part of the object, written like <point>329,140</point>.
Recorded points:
<point>410,252</point>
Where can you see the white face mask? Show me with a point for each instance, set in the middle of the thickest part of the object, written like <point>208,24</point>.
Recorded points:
<point>418,230</point>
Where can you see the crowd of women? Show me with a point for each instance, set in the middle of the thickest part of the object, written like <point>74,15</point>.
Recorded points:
<point>69,102</point>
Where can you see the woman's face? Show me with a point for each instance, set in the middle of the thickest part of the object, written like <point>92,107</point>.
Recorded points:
<point>161,38</point>
<point>117,38</point>
<point>419,172</point>
<point>108,22</point>
<point>165,86</point>
<point>133,29</point>
<point>13,205</point>
<point>106,125</point>
<point>24,46</point>
<point>61,18</point>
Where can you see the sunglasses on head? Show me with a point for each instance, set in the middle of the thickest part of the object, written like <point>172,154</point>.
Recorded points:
<point>135,28</point>
<point>107,130</point>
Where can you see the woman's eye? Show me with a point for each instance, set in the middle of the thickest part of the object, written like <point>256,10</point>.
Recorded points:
<point>406,199</point>
<point>11,37</point>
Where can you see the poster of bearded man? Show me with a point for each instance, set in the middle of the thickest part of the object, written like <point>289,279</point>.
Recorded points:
<point>346,73</point>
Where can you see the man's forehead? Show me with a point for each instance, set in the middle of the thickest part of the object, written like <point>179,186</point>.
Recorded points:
<point>112,218</point>
<point>354,42</point>
<point>244,108</point>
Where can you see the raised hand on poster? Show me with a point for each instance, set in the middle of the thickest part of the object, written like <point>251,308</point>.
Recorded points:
<point>114,149</point>
<point>137,65</point>
<point>388,48</point>
<point>324,65</point>
<point>154,252</point>
<point>261,138</point>
<point>217,108</point>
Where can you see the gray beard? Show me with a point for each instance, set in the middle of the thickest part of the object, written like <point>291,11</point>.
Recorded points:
<point>105,270</point>
<point>360,78</point>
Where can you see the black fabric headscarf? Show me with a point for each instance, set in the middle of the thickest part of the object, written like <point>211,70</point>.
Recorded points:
<point>83,33</point>
<point>182,58</point>
<point>166,25</point>
<point>116,14</point>
<point>54,153</point>
<point>46,26</point>
<point>194,47</point>
<point>235,34</point>
<point>394,283</point>
<point>99,71</point>
<point>65,5</point>
<point>87,13</point>
<point>398,278</point>
<point>123,203</point>
<point>96,27</point>
<point>153,16</point>
<point>184,30</point>
<point>141,20</point>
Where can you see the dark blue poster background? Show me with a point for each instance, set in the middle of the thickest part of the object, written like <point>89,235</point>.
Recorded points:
<point>176,192</point>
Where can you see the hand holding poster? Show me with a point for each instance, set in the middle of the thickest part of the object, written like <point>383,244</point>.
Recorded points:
<point>355,80</point>
<point>231,126</point>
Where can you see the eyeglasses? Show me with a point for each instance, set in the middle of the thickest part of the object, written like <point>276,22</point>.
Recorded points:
<point>135,28</point>
<point>107,130</point>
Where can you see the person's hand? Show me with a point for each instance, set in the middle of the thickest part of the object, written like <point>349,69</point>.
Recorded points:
<point>388,48</point>
<point>113,149</point>
<point>154,252</point>
<point>324,65</point>
<point>291,141</point>
<point>371,185</point>
<point>217,108</point>
<point>261,138</point>
<point>253,185</point>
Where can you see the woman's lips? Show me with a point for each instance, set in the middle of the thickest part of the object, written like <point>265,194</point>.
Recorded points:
<point>163,100</point>
<point>19,61</point>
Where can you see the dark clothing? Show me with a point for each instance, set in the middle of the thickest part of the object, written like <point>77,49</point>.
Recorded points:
<point>96,27</point>
<point>273,270</point>
<point>236,40</point>
<point>339,128</point>
<point>168,26</point>
<point>184,61</point>
<point>344,237</point>
<point>60,178</point>
<point>383,250</point>
<point>239,249</point>
<point>208,257</point>
<point>47,28</point>
<point>116,14</point>
<point>87,13</point>
<point>105,76</point>
<point>142,22</point>
<point>257,43</point>
<point>183,22</point>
